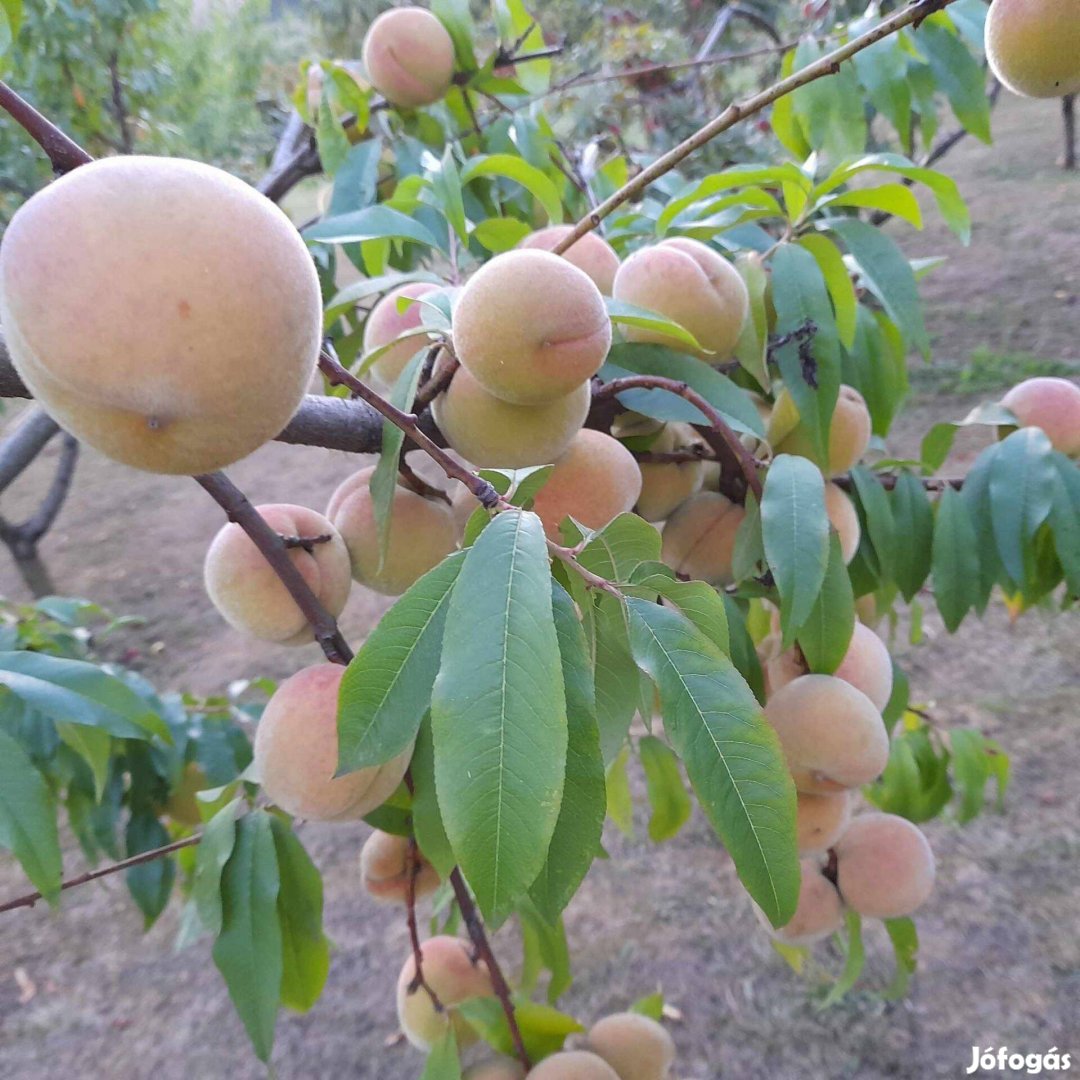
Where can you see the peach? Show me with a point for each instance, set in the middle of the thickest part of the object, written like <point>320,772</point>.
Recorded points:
<point>531,327</point>
<point>699,537</point>
<point>594,481</point>
<point>591,254</point>
<point>844,518</point>
<point>832,736</point>
<point>884,865</point>
<point>573,1065</point>
<point>665,486</point>
<point>691,284</point>
<point>849,433</point>
<point>385,323</point>
<point>635,1046</point>
<point>820,820</point>
<point>409,57</point>
<point>493,433</point>
<point>1033,46</point>
<point>296,752</point>
<point>242,585</point>
<point>385,869</point>
<point>161,310</point>
<point>1050,404</point>
<point>820,911</point>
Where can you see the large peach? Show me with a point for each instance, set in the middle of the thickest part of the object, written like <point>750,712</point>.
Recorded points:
<point>699,537</point>
<point>409,57</point>
<point>296,752</point>
<point>820,820</point>
<point>594,481</point>
<point>831,734</point>
<point>692,285</point>
<point>665,486</point>
<point>573,1065</point>
<point>849,433</point>
<point>161,310</point>
<point>242,585</point>
<point>385,869</point>
<point>531,327</point>
<point>635,1046</point>
<point>591,254</point>
<point>820,911</point>
<point>1033,46</point>
<point>1050,404</point>
<point>385,323</point>
<point>493,433</point>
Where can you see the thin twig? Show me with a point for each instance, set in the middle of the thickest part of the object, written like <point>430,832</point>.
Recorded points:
<point>412,871</point>
<point>64,154</point>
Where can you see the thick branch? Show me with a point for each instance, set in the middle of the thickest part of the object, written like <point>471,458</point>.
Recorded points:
<point>296,157</point>
<point>733,114</point>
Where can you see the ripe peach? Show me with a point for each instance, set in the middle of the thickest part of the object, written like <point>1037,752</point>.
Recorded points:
<point>1033,46</point>
<point>592,254</point>
<point>422,534</point>
<point>1050,404</point>
<point>161,310</point>
<point>385,323</point>
<point>884,865</point>
<point>531,327</point>
<point>573,1065</point>
<point>831,734</point>
<point>409,57</point>
<point>493,433</point>
<point>844,519</point>
<point>692,285</point>
<point>594,481</point>
<point>699,537</point>
<point>665,486</point>
<point>450,971</point>
<point>242,585</point>
<point>635,1046</point>
<point>385,869</point>
<point>296,752</point>
<point>820,911</point>
<point>820,820</point>
<point>849,433</point>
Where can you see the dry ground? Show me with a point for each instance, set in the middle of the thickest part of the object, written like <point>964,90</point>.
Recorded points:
<point>1000,960</point>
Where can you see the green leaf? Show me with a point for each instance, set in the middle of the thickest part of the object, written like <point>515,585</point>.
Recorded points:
<point>620,547</point>
<point>620,803</point>
<point>853,965</point>
<point>882,70</point>
<point>831,111</point>
<point>446,191</point>
<point>785,125</point>
<point>551,948</point>
<point>356,291</point>
<point>877,367</point>
<point>427,820</point>
<point>958,73</point>
<point>457,18</point>
<point>623,313</point>
<point>905,943</point>
<point>743,654</point>
<point>150,883</point>
<point>576,838</point>
<point>12,11</point>
<point>77,692</point>
<point>699,602</point>
<point>971,767</point>
<point>219,837</point>
<point>837,281</point>
<point>1065,519</point>
<point>895,199</point>
<point>386,688</point>
<point>877,520</point>
<point>889,276</point>
<point>795,529</point>
<point>94,746</point>
<point>911,508</point>
<point>752,348</point>
<point>664,784</point>
<point>442,1060</point>
<point>305,950</point>
<point>512,20</point>
<point>500,234</point>
<point>371,223</point>
<point>498,714</point>
<point>736,177</point>
<point>616,676</point>
<point>825,636</point>
<point>936,445</point>
<point>955,560</point>
<point>652,1006</point>
<point>28,819</point>
<point>521,172</point>
<point>330,136</point>
<point>247,952</point>
<point>731,755</point>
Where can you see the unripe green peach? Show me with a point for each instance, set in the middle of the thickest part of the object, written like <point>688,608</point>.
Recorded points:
<point>450,971</point>
<point>422,534</point>
<point>296,752</point>
<point>183,806</point>
<point>820,911</point>
<point>692,285</point>
<point>665,486</point>
<point>1050,404</point>
<point>409,57</point>
<point>844,518</point>
<point>635,1046</point>
<point>849,433</point>
<point>820,820</point>
<point>832,736</point>
<point>385,323</point>
<point>503,1069</point>
<point>385,869</point>
<point>594,481</point>
<point>243,586</point>
<point>161,310</point>
<point>493,433</point>
<point>531,327</point>
<point>699,537</point>
<point>1033,46</point>
<point>573,1065</point>
<point>884,866</point>
<point>591,253</point>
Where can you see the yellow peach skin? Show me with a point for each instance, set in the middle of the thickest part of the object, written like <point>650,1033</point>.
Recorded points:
<point>1033,46</point>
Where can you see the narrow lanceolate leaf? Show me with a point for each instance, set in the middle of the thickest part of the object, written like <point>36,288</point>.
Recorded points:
<point>248,949</point>
<point>305,952</point>
<point>877,519</point>
<point>616,676</point>
<point>77,692</point>
<point>427,821</point>
<point>94,746</point>
<point>28,819</point>
<point>387,687</point>
<point>150,883</point>
<point>214,850</point>
<point>699,602</point>
<point>856,958</point>
<point>826,634</point>
<point>664,785</point>
<point>576,838</point>
<point>620,547</point>
<point>1022,481</point>
<point>912,556</point>
<point>442,1060</point>
<point>955,560</point>
<point>837,281</point>
<point>905,943</point>
<point>795,529</point>
<point>731,755</point>
<point>498,714</point>
<point>1065,519</point>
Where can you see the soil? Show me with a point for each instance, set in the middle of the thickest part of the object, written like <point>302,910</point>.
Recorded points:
<point>86,993</point>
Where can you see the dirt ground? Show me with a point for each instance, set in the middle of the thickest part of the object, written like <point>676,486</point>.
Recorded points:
<point>1000,956</point>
